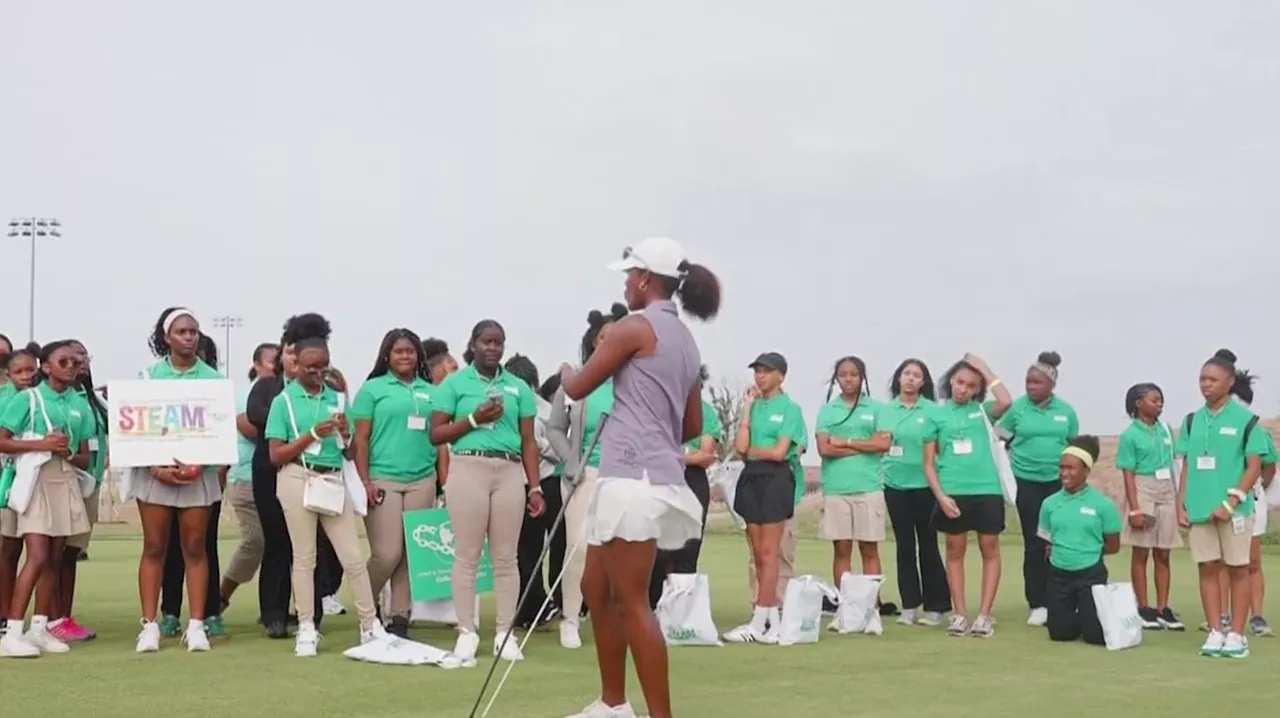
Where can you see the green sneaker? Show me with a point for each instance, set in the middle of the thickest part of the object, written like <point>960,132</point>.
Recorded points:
<point>214,628</point>
<point>170,627</point>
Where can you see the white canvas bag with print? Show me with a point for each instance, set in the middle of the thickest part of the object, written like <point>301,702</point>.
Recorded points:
<point>1117,608</point>
<point>858,612</point>
<point>1004,467</point>
<point>802,610</point>
<point>322,494</point>
<point>684,611</point>
<point>26,466</point>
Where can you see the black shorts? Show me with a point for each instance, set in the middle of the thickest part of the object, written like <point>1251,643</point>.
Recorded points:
<point>766,492</point>
<point>980,514</point>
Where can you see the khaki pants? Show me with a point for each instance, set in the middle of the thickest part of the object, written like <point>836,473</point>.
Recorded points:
<point>575,529</point>
<point>786,563</point>
<point>248,558</point>
<point>385,528</point>
<point>485,498</point>
<point>342,533</point>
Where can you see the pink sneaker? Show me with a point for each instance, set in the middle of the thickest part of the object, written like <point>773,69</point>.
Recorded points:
<point>68,631</point>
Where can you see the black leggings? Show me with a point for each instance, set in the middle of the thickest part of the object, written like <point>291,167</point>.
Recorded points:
<point>682,560</point>
<point>1035,565</point>
<point>1069,599</point>
<point>923,581</point>
<point>533,537</point>
<point>175,569</point>
<point>275,579</point>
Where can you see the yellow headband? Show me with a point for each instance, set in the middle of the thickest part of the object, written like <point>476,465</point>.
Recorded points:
<point>1080,454</point>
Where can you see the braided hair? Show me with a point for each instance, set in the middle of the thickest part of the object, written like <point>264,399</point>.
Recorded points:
<point>1135,393</point>
<point>85,383</point>
<point>383,364</point>
<point>863,389</point>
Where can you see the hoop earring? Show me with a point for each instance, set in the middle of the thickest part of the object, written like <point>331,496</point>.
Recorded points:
<point>643,286</point>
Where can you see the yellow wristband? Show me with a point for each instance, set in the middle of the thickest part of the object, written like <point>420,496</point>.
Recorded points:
<point>1227,505</point>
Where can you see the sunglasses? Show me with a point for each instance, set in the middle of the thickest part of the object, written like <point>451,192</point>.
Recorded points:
<point>69,362</point>
<point>316,371</point>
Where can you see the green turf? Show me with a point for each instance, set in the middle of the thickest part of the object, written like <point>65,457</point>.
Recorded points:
<point>906,672</point>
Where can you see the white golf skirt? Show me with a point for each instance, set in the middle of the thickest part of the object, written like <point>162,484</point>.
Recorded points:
<point>636,510</point>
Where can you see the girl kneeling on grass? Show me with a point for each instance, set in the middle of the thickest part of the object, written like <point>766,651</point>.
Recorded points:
<point>1080,525</point>
<point>962,473</point>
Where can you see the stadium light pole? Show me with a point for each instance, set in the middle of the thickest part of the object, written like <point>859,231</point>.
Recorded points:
<point>33,228</point>
<point>227,323</point>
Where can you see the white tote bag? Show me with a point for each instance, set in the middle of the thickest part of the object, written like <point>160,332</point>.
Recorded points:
<point>725,475</point>
<point>802,610</point>
<point>1004,468</point>
<point>322,494</point>
<point>684,611</point>
<point>858,612</point>
<point>26,466</point>
<point>1118,613</point>
<point>1272,494</point>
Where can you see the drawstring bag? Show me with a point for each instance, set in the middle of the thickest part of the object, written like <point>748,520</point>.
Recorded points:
<point>323,494</point>
<point>1117,608</point>
<point>725,475</point>
<point>858,612</point>
<point>684,611</point>
<point>802,610</point>
<point>1004,467</point>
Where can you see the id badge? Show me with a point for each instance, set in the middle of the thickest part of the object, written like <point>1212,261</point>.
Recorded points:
<point>93,444</point>
<point>1206,463</point>
<point>1164,474</point>
<point>1237,525</point>
<point>895,451</point>
<point>313,449</point>
<point>962,447</point>
<point>417,423</point>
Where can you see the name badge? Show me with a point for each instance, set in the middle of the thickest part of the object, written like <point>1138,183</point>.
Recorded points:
<point>1237,525</point>
<point>417,423</point>
<point>1060,418</point>
<point>895,451</point>
<point>1206,463</point>
<point>93,444</point>
<point>1227,431</point>
<point>776,418</point>
<point>1164,474</point>
<point>868,417</point>
<point>1088,511</point>
<point>512,390</point>
<point>420,395</point>
<point>313,448</point>
<point>961,447</point>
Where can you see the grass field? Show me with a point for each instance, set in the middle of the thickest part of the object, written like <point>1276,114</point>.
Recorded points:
<point>909,671</point>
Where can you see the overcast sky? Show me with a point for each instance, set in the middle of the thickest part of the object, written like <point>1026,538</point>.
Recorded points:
<point>890,179</point>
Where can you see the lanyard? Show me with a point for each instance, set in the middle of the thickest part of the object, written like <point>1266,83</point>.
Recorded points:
<point>413,396</point>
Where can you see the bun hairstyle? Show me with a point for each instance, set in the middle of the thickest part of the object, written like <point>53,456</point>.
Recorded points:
<point>308,328</point>
<point>469,354</point>
<point>32,350</point>
<point>1090,444</point>
<point>596,320</point>
<point>1050,359</point>
<point>434,349</point>
<point>1242,385</point>
<point>524,369</point>
<point>698,289</point>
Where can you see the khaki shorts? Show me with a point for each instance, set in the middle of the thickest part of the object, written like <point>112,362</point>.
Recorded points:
<point>8,524</point>
<point>1159,499</point>
<point>91,510</point>
<point>1219,542</point>
<point>859,517</point>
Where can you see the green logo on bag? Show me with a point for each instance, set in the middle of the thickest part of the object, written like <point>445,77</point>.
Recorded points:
<point>676,633</point>
<point>429,547</point>
<point>806,626</point>
<point>1132,621</point>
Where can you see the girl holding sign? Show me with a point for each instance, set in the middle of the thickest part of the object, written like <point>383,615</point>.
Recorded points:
<point>308,438</point>
<point>165,491</point>
<point>395,457</point>
<point>53,507</point>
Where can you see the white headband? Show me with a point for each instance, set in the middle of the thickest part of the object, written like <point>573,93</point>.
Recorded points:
<point>175,315</point>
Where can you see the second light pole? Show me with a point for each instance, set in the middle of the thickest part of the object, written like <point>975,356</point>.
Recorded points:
<point>227,323</point>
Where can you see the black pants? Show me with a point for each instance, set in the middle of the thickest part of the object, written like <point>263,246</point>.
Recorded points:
<point>175,568</point>
<point>275,579</point>
<point>533,537</point>
<point>1035,565</point>
<point>683,560</point>
<point>922,576</point>
<point>328,568</point>
<point>1069,598</point>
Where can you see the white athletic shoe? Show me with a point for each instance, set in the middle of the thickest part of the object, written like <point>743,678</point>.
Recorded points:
<point>45,642</point>
<point>307,642</point>
<point>598,709</point>
<point>747,633</point>
<point>929,619</point>
<point>466,647</point>
<point>507,646</point>
<point>375,632</point>
<point>15,645</point>
<point>569,636</point>
<point>908,617</point>
<point>332,606</point>
<point>149,637</point>
<point>1038,617</point>
<point>195,639</point>
<point>1236,646</point>
<point>875,627</point>
<point>1213,645</point>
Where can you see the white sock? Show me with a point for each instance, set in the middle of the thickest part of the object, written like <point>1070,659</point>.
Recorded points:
<point>760,619</point>
<point>775,618</point>
<point>55,624</point>
<point>196,625</point>
<point>15,628</point>
<point>39,623</point>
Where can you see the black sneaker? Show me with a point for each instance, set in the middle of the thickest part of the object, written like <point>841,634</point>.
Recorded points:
<point>888,609</point>
<point>829,607</point>
<point>277,630</point>
<point>1169,620</point>
<point>1150,619</point>
<point>399,627</point>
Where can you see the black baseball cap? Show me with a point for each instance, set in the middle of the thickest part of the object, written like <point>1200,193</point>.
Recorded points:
<point>770,360</point>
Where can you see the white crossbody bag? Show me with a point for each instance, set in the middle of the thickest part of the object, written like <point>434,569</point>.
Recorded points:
<point>323,494</point>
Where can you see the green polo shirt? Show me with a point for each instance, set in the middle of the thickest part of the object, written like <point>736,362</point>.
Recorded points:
<point>772,419</point>
<point>242,472</point>
<point>964,462</point>
<point>1144,449</point>
<point>1076,525</point>
<point>308,410</point>
<point>711,427</point>
<point>7,392</point>
<point>164,369</point>
<point>1269,453</point>
<point>399,414</point>
<point>67,412</point>
<point>596,405</point>
<point>1040,433</point>
<point>903,464</point>
<point>465,390</point>
<point>860,473</point>
<point>1215,457</point>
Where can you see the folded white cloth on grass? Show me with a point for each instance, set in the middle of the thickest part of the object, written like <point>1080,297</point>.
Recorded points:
<point>394,651</point>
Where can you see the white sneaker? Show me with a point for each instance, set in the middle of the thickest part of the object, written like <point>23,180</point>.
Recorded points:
<point>1213,645</point>
<point>149,637</point>
<point>1236,646</point>
<point>375,632</point>
<point>569,636</point>
<point>929,619</point>
<point>195,639</point>
<point>332,606</point>
<point>908,617</point>
<point>875,627</point>
<point>598,709</point>
<point>466,647</point>
<point>507,646</point>
<point>15,645</point>
<point>307,642</point>
<point>747,633</point>
<point>45,642</point>
<point>1038,617</point>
